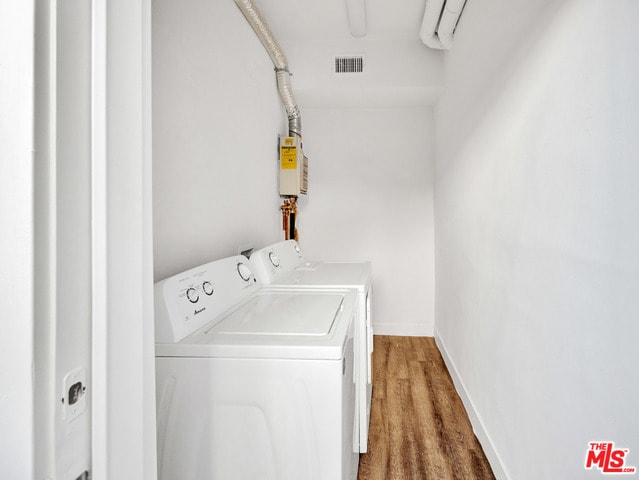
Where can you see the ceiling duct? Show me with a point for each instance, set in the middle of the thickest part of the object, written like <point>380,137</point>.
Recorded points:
<point>439,22</point>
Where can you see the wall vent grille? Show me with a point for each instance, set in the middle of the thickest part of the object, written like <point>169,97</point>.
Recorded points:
<point>351,64</point>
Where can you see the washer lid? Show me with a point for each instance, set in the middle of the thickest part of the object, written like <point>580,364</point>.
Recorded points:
<point>280,324</point>
<point>329,274</point>
<point>286,314</point>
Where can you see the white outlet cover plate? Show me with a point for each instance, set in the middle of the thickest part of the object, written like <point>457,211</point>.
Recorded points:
<point>72,409</point>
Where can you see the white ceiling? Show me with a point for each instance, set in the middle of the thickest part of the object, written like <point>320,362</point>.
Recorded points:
<point>313,20</point>
<point>399,69</point>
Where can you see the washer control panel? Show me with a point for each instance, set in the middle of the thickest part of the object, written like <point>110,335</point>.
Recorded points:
<point>193,299</point>
<point>244,272</point>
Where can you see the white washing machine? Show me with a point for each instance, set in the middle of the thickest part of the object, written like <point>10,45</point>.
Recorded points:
<point>252,383</point>
<point>282,265</point>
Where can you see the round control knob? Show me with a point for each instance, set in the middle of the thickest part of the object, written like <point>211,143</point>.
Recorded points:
<point>192,295</point>
<point>244,271</point>
<point>207,288</point>
<point>275,260</point>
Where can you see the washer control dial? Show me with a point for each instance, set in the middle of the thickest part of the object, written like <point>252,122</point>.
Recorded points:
<point>275,260</point>
<point>207,287</point>
<point>244,271</point>
<point>192,295</point>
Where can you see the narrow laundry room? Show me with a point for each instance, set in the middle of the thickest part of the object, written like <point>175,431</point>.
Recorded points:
<point>452,294</point>
<point>487,183</point>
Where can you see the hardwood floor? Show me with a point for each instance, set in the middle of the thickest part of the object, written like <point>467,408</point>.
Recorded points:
<point>419,428</point>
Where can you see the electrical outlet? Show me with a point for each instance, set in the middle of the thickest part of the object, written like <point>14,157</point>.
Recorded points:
<point>74,389</point>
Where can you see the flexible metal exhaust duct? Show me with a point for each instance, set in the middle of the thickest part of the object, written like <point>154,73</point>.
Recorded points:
<point>254,17</point>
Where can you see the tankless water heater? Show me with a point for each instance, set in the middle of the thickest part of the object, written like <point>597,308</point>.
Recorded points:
<point>293,167</point>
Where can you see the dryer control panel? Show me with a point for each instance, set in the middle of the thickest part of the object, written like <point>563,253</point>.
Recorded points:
<point>279,259</point>
<point>193,299</point>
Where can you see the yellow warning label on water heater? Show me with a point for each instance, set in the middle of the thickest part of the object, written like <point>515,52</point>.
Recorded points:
<point>288,157</point>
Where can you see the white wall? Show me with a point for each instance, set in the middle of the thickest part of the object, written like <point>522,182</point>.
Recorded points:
<point>16,241</point>
<point>371,198</point>
<point>216,120</point>
<point>124,440</point>
<point>44,338</point>
<point>71,236</point>
<point>536,201</point>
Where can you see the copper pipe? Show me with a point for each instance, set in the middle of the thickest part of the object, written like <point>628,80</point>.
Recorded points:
<point>286,209</point>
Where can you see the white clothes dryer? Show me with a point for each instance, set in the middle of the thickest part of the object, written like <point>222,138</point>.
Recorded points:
<point>282,265</point>
<point>253,383</point>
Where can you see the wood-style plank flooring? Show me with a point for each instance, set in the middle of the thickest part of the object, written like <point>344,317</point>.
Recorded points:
<point>419,428</point>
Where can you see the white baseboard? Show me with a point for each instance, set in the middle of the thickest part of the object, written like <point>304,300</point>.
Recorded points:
<point>475,420</point>
<point>402,329</point>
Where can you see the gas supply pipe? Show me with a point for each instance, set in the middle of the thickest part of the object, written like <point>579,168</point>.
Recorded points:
<point>289,213</point>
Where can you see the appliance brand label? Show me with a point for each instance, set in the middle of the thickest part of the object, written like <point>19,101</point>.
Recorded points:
<point>199,311</point>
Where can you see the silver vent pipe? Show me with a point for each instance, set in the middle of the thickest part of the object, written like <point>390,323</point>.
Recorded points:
<point>254,17</point>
